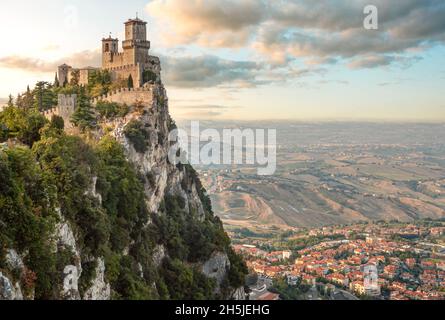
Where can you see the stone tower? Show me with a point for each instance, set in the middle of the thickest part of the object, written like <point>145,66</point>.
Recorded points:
<point>110,48</point>
<point>136,45</point>
<point>63,73</point>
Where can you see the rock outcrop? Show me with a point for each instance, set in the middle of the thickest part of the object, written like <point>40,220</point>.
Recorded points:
<point>100,289</point>
<point>8,291</point>
<point>217,267</point>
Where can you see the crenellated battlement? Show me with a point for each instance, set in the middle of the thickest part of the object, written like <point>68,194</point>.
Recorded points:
<point>129,96</point>
<point>66,105</point>
<point>123,67</point>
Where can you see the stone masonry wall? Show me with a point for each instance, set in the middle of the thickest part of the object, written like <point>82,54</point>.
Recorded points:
<point>126,96</point>
<point>65,109</point>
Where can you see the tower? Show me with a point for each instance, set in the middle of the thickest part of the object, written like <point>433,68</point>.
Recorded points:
<point>63,73</point>
<point>136,45</point>
<point>110,47</point>
<point>135,60</point>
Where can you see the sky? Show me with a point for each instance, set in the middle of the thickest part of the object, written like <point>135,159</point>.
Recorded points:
<point>249,59</point>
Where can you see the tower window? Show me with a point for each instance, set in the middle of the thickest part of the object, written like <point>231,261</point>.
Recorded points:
<point>107,47</point>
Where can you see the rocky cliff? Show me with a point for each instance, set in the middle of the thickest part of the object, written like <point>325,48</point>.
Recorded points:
<point>117,220</point>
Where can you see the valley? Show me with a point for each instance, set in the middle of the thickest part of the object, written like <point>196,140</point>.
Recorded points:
<point>363,172</point>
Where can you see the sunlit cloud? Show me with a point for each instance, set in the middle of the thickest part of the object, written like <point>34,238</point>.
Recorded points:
<point>323,31</point>
<point>204,111</point>
<point>51,47</point>
<point>29,64</point>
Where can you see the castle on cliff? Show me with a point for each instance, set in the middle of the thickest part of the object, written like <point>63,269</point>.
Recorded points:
<point>134,60</point>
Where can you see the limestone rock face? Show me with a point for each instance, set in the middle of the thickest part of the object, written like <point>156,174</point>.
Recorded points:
<point>14,260</point>
<point>7,290</point>
<point>239,294</point>
<point>158,255</point>
<point>92,191</point>
<point>100,289</point>
<point>216,267</point>
<point>153,162</point>
<point>65,238</point>
<point>165,178</point>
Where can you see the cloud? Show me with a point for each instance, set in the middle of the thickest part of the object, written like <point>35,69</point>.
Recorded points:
<point>208,71</point>
<point>322,31</point>
<point>371,62</point>
<point>343,82</point>
<point>374,61</point>
<point>212,71</point>
<point>201,115</point>
<point>78,59</point>
<point>203,111</point>
<point>196,21</point>
<point>208,107</point>
<point>27,64</point>
<point>204,71</point>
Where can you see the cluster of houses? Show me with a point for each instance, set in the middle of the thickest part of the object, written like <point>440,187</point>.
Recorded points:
<point>398,270</point>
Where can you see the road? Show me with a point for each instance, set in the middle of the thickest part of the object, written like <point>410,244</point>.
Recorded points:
<point>343,295</point>
<point>261,287</point>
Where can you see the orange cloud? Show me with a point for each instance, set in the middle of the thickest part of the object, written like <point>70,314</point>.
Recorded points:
<point>78,59</point>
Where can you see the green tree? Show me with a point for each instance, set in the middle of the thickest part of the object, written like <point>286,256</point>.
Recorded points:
<point>75,78</point>
<point>44,97</point>
<point>83,116</point>
<point>56,81</point>
<point>10,101</point>
<point>130,83</point>
<point>25,101</point>
<point>57,123</point>
<point>148,76</point>
<point>22,125</point>
<point>99,83</point>
<point>138,135</point>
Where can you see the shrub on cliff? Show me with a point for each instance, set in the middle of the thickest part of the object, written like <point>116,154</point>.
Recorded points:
<point>148,76</point>
<point>27,217</point>
<point>83,117</point>
<point>111,110</point>
<point>99,83</point>
<point>22,125</point>
<point>138,135</point>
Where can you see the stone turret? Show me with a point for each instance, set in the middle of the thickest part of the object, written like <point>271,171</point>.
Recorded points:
<point>136,45</point>
<point>65,109</point>
<point>110,47</point>
<point>63,73</point>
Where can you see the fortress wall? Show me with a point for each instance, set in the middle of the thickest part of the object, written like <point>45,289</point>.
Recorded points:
<point>123,72</point>
<point>112,60</point>
<point>64,109</point>
<point>129,96</point>
<point>84,75</point>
